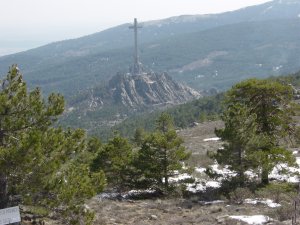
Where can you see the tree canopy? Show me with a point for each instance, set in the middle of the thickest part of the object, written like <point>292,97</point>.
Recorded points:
<point>258,117</point>
<point>47,166</point>
<point>162,153</point>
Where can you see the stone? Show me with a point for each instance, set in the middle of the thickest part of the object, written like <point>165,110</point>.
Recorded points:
<point>153,217</point>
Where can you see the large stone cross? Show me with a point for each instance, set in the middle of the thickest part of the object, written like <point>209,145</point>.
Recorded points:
<point>136,65</point>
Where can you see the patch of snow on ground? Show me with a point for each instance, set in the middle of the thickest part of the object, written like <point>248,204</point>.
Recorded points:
<point>213,184</point>
<point>70,109</point>
<point>201,184</point>
<point>200,169</point>
<point>133,193</point>
<point>267,202</point>
<point>212,202</point>
<point>290,175</point>
<point>251,174</point>
<point>225,172</point>
<point>180,177</point>
<point>125,195</point>
<point>255,220</point>
<point>194,188</point>
<point>212,139</point>
<point>277,68</point>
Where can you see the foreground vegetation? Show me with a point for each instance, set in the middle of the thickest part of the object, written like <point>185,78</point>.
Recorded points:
<point>59,169</point>
<point>258,117</point>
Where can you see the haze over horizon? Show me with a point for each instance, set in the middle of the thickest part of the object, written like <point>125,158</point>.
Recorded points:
<point>32,23</point>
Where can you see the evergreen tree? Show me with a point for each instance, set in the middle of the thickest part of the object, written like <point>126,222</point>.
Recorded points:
<point>138,136</point>
<point>266,108</point>
<point>161,153</point>
<point>20,112</point>
<point>115,158</point>
<point>239,136</point>
<point>47,166</point>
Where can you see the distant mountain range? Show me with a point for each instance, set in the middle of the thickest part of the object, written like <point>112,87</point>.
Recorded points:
<point>204,51</point>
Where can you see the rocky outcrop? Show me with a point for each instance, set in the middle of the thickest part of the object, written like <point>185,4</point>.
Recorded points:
<point>148,89</point>
<point>127,93</point>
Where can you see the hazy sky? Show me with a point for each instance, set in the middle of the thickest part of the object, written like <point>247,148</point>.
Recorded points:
<point>29,23</point>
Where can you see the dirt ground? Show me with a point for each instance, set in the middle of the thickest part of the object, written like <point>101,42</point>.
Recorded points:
<point>194,137</point>
<point>194,141</point>
<point>174,212</point>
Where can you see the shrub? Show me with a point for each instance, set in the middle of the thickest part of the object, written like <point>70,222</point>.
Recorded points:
<point>240,194</point>
<point>279,192</point>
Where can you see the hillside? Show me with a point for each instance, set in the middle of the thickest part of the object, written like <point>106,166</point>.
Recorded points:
<point>190,44</point>
<point>206,208</point>
<point>103,122</point>
<point>207,108</point>
<point>124,96</point>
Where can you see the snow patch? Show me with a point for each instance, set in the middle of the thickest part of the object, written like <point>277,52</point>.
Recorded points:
<point>290,175</point>
<point>194,188</point>
<point>212,139</point>
<point>213,184</point>
<point>127,195</point>
<point>199,76</point>
<point>251,174</point>
<point>70,109</point>
<point>224,172</point>
<point>212,202</point>
<point>180,177</point>
<point>255,220</point>
<point>202,183</point>
<point>267,202</point>
<point>200,170</point>
<point>277,68</point>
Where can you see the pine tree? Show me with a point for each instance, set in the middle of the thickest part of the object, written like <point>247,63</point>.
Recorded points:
<point>162,153</point>
<point>47,166</point>
<point>20,112</point>
<point>115,158</point>
<point>238,135</point>
<point>138,136</point>
<point>268,104</point>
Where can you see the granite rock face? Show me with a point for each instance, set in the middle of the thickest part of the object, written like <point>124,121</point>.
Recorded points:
<point>148,89</point>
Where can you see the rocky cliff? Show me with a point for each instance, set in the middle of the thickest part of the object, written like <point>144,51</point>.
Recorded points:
<point>123,96</point>
<point>148,89</point>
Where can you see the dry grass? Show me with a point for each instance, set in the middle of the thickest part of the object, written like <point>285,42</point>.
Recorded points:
<point>171,211</point>
<point>194,142</point>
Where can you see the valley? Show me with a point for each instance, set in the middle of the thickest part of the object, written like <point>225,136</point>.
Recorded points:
<point>205,52</point>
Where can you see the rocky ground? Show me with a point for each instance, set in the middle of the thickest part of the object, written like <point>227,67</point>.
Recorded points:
<point>176,211</point>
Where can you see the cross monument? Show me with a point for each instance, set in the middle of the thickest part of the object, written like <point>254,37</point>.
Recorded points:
<point>136,66</point>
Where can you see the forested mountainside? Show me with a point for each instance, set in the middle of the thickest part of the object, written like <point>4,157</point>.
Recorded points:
<point>208,108</point>
<point>259,40</point>
<point>126,95</point>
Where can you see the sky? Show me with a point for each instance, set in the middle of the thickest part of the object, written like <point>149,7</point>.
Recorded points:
<point>31,23</point>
